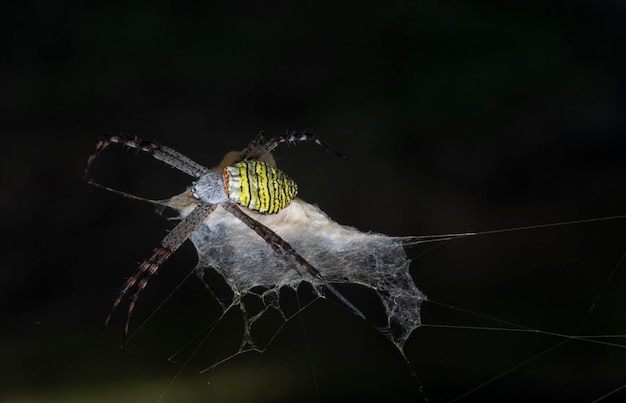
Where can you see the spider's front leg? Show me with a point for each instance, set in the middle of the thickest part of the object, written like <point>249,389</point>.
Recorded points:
<point>168,245</point>
<point>284,249</point>
<point>170,156</point>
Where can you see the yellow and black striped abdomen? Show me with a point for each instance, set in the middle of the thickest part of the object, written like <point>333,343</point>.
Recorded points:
<point>259,186</point>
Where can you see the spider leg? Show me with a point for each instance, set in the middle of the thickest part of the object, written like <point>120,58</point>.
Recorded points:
<point>169,244</point>
<point>252,146</point>
<point>171,157</point>
<point>292,137</point>
<point>284,249</point>
<point>159,205</point>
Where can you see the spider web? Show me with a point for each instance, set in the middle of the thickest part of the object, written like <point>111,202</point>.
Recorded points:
<point>342,254</point>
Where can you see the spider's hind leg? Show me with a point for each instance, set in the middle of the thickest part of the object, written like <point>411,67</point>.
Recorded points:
<point>249,153</point>
<point>293,137</point>
<point>285,250</point>
<point>250,149</point>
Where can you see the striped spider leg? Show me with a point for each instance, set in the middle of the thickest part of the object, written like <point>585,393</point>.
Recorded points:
<point>228,186</point>
<point>283,248</point>
<point>171,157</point>
<point>255,150</point>
<point>172,241</point>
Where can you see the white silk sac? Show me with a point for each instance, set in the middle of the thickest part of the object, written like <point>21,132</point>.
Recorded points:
<point>342,254</point>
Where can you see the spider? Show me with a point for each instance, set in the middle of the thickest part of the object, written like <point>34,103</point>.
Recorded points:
<point>246,182</point>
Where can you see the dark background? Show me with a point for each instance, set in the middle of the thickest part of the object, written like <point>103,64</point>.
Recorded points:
<point>457,116</point>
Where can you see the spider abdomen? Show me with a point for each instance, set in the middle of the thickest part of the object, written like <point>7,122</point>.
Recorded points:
<point>259,186</point>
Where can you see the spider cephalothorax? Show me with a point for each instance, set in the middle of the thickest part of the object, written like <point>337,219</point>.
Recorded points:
<point>245,181</point>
